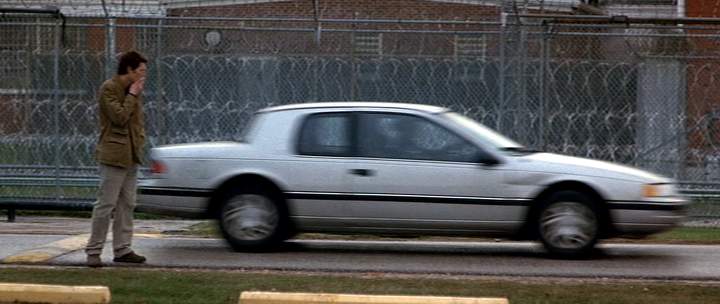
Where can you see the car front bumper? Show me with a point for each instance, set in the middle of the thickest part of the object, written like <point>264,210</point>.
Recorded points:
<point>645,218</point>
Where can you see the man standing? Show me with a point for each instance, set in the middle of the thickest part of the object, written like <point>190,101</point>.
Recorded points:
<point>119,152</point>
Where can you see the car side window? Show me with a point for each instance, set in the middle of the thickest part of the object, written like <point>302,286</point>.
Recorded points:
<point>326,134</point>
<point>390,135</point>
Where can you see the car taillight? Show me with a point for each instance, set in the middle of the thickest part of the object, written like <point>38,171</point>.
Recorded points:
<point>157,167</point>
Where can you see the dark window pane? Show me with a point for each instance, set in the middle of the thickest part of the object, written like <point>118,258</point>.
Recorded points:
<point>389,135</point>
<point>325,134</point>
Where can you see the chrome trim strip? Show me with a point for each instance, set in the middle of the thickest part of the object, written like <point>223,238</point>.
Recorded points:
<point>339,196</point>
<point>175,191</point>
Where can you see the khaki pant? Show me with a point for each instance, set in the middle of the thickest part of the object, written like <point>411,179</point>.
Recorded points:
<point>116,201</point>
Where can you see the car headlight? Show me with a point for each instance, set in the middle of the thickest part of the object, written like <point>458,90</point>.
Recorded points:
<point>658,190</point>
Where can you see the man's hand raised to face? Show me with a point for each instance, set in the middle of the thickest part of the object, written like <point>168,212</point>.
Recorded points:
<point>137,87</point>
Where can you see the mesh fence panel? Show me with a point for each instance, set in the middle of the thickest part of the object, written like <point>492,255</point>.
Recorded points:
<point>644,96</point>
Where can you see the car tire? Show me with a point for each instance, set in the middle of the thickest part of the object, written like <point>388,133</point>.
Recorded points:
<point>252,220</point>
<point>569,224</point>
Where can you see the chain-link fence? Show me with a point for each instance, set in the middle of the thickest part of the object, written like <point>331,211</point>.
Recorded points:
<point>643,95</point>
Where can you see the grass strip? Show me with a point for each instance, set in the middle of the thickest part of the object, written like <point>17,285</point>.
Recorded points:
<point>688,235</point>
<point>190,286</point>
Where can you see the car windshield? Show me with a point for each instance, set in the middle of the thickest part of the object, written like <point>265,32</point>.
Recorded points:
<point>486,134</point>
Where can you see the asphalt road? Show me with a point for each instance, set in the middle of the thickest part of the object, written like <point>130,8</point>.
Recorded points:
<point>626,261</point>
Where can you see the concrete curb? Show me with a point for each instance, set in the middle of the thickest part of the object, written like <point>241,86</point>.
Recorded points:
<point>49,251</point>
<point>53,294</point>
<point>256,297</point>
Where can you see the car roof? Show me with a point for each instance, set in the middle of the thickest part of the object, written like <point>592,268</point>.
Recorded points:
<point>355,104</point>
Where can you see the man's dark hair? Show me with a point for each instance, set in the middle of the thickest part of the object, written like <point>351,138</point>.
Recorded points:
<point>132,60</point>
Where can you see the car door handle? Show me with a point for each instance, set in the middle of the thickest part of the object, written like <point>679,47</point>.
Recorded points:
<point>362,172</point>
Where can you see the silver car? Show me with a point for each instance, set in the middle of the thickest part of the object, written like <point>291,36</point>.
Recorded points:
<point>392,168</point>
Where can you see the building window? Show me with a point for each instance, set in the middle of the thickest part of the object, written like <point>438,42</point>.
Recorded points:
<point>76,38</point>
<point>13,70</point>
<point>367,43</point>
<point>38,35</point>
<point>44,36</point>
<point>475,46</point>
<point>145,39</point>
<point>15,37</point>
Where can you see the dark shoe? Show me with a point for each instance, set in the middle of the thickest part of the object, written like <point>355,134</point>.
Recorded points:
<point>94,261</point>
<point>130,257</point>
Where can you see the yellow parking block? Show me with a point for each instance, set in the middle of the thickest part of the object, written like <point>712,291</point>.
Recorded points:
<point>257,297</point>
<point>149,235</point>
<point>53,294</point>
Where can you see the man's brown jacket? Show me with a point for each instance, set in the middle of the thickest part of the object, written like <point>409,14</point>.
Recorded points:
<point>122,126</point>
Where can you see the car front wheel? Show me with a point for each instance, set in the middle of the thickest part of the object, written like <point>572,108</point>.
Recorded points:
<point>568,224</point>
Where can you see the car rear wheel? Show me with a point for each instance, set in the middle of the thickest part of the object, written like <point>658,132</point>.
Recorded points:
<point>251,221</point>
<point>568,224</point>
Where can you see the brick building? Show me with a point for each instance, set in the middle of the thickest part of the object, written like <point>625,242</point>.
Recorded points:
<point>339,37</point>
<point>704,79</point>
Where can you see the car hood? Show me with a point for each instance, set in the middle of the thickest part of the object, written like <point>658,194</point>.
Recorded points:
<point>564,164</point>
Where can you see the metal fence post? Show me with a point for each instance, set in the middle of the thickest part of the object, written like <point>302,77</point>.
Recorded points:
<point>58,108</point>
<point>109,47</point>
<point>353,76</point>
<point>160,123</point>
<point>499,105</point>
<point>544,73</point>
<point>522,107</point>
<point>314,95</point>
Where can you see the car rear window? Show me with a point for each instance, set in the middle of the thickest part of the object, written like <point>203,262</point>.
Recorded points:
<point>326,134</point>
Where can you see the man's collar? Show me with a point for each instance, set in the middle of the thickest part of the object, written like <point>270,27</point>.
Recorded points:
<point>122,81</point>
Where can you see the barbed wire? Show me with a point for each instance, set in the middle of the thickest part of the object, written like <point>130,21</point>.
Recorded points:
<point>213,97</point>
<point>332,9</point>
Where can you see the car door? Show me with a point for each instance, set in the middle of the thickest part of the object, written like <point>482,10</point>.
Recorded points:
<point>318,169</point>
<point>412,174</point>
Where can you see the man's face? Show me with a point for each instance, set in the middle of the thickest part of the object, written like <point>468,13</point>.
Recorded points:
<point>138,73</point>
